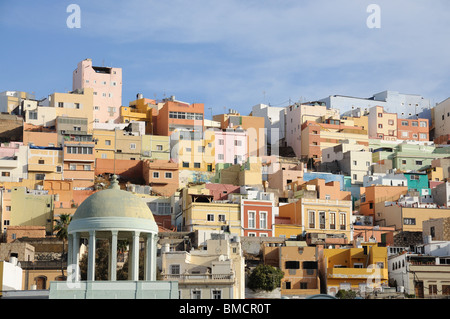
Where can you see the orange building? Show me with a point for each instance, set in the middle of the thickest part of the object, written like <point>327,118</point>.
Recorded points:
<point>316,136</point>
<point>373,196</point>
<point>162,176</point>
<point>413,129</point>
<point>178,115</point>
<point>78,163</point>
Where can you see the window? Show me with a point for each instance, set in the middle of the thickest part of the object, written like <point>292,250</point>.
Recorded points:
<point>312,219</point>
<point>133,146</point>
<point>221,142</point>
<point>217,294</point>
<point>342,221</point>
<point>220,157</point>
<point>263,220</point>
<point>432,289</point>
<point>423,136</point>
<point>367,164</point>
<point>416,177</point>
<point>87,167</point>
<point>186,164</point>
<point>77,105</point>
<point>355,163</point>
<point>409,221</point>
<point>405,123</point>
<point>322,220</point>
<point>222,218</point>
<point>108,142</point>
<point>210,217</point>
<point>237,143</point>
<point>60,104</point>
<point>403,162</point>
<point>251,219</point>
<point>6,174</point>
<point>155,174</point>
<point>188,149</point>
<point>73,167</point>
<point>40,177</point>
<point>168,174</point>
<point>355,177</point>
<point>33,115</point>
<point>380,125</point>
<point>380,114</point>
<point>414,123</point>
<point>423,124</point>
<point>196,165</point>
<point>292,264</point>
<point>175,269</point>
<point>41,161</point>
<point>332,220</point>
<point>159,147</point>
<point>391,122</point>
<point>196,294</point>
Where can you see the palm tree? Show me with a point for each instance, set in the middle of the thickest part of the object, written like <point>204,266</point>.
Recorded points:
<point>61,227</point>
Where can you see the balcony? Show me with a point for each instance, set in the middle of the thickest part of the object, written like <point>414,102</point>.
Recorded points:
<point>357,273</point>
<point>200,278</point>
<point>9,163</point>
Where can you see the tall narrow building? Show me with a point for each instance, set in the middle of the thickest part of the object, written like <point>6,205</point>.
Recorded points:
<point>106,83</point>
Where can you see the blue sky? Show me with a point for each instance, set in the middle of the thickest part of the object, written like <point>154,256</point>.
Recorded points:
<point>231,53</point>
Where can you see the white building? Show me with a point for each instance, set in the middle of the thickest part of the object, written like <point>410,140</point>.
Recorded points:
<point>214,272</point>
<point>274,121</point>
<point>405,105</point>
<point>10,275</point>
<point>389,179</point>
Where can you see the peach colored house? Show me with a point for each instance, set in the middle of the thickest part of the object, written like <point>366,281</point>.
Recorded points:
<point>130,170</point>
<point>415,130</point>
<point>382,125</point>
<point>106,83</point>
<point>78,163</point>
<point>162,176</point>
<point>372,198</point>
<point>39,136</point>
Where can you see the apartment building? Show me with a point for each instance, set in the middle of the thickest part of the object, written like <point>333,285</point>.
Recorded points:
<point>105,83</point>
<point>362,268</point>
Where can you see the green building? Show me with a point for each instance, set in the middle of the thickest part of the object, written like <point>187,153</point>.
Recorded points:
<point>406,156</point>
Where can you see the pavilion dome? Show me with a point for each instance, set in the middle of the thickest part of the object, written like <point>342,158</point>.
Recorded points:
<point>115,206</point>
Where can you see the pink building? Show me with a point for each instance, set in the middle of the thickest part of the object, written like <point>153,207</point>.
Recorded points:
<point>9,149</point>
<point>107,85</point>
<point>231,146</point>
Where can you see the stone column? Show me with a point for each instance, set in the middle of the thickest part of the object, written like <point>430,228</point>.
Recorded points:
<point>75,253</point>
<point>150,261</point>
<point>91,257</point>
<point>113,256</point>
<point>134,269</point>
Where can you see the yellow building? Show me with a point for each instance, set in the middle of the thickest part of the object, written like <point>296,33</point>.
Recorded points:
<point>45,163</point>
<point>140,110</point>
<point>323,216</point>
<point>249,173</point>
<point>435,174</point>
<point>105,143</point>
<point>363,269</point>
<point>155,147</point>
<point>287,230</point>
<point>78,103</point>
<point>41,214</point>
<point>200,213</point>
<point>193,153</point>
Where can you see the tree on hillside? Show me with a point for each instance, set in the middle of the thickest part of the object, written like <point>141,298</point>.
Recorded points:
<point>61,229</point>
<point>265,277</point>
